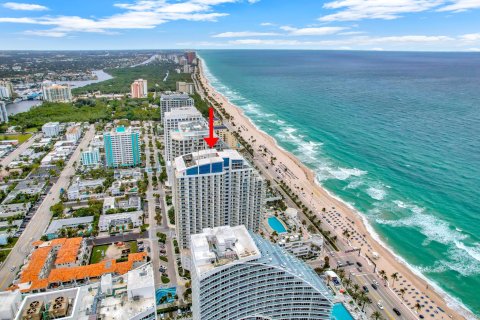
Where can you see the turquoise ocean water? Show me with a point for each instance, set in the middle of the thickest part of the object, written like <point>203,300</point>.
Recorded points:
<point>396,135</point>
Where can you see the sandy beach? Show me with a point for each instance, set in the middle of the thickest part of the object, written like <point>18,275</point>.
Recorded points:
<point>410,287</point>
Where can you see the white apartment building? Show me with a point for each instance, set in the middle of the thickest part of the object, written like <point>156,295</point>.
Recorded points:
<point>212,189</point>
<point>51,129</point>
<point>3,112</point>
<point>170,101</point>
<point>74,133</point>
<point>56,92</point>
<point>237,274</point>
<point>171,123</point>
<point>91,157</point>
<point>6,90</point>
<point>188,138</point>
<point>120,220</point>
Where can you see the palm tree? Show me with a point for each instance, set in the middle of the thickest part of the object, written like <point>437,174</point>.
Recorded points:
<point>382,273</point>
<point>394,277</point>
<point>376,315</point>
<point>356,287</point>
<point>347,282</point>
<point>402,291</point>
<point>364,301</point>
<point>418,306</point>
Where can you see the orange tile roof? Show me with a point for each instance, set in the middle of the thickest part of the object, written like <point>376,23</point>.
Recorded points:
<point>68,251</point>
<point>37,243</point>
<point>37,261</point>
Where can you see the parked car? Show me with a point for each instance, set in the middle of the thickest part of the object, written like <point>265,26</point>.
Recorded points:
<point>365,288</point>
<point>380,305</point>
<point>397,312</point>
<point>374,286</point>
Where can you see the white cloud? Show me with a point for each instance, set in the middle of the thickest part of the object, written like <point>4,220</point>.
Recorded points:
<point>46,33</point>
<point>244,34</point>
<point>140,14</point>
<point>470,37</point>
<point>461,5</point>
<point>351,10</point>
<point>361,42</point>
<point>320,31</point>
<point>24,6</point>
<point>267,24</point>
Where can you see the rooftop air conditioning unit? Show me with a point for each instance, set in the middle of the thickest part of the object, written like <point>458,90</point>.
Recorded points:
<point>33,311</point>
<point>58,308</point>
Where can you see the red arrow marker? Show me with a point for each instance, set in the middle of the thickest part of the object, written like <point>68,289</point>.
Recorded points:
<point>211,140</point>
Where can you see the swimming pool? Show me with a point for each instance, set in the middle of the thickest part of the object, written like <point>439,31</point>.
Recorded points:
<point>276,225</point>
<point>168,293</point>
<point>339,312</point>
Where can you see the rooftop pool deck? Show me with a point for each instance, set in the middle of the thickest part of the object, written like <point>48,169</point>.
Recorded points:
<point>339,312</point>
<point>276,225</point>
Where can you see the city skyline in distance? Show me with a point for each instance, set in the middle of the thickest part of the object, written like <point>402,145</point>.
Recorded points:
<point>409,25</point>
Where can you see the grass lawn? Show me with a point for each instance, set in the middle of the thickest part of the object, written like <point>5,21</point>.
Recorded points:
<point>10,244</point>
<point>33,130</point>
<point>133,246</point>
<point>4,254</point>
<point>20,137</point>
<point>97,255</point>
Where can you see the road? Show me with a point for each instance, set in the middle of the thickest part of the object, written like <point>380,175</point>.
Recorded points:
<point>154,227</point>
<point>18,151</point>
<point>41,218</point>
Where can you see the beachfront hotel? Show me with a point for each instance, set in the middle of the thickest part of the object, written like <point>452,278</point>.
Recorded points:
<point>170,101</point>
<point>139,89</point>
<point>237,274</point>
<point>215,188</point>
<point>122,147</point>
<point>56,92</point>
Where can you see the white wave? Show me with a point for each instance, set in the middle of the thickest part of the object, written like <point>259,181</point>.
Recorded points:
<point>327,172</point>
<point>376,193</point>
<point>355,184</point>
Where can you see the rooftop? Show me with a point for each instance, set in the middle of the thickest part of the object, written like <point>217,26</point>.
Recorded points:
<point>220,246</point>
<point>112,298</point>
<point>34,277</point>
<point>174,96</point>
<point>208,156</point>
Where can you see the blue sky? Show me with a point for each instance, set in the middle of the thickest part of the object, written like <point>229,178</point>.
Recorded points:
<point>430,25</point>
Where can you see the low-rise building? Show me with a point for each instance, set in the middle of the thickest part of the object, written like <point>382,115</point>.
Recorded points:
<point>56,225</point>
<point>128,296</point>
<point>74,133</point>
<point>14,209</point>
<point>122,220</point>
<point>91,157</point>
<point>302,247</point>
<point>51,129</point>
<point>60,262</point>
<point>85,189</point>
<point>132,203</point>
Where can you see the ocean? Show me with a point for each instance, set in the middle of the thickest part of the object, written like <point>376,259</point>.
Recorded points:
<point>394,134</point>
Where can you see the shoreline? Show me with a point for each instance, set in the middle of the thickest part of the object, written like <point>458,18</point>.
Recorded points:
<point>305,179</point>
